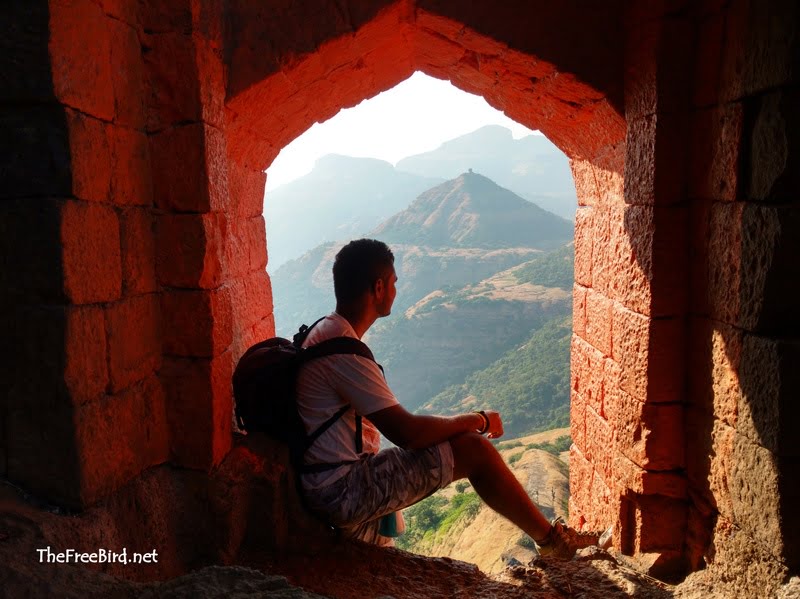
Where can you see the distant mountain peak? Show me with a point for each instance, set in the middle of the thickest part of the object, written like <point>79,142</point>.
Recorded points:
<point>473,211</point>
<point>479,188</point>
<point>531,166</point>
<point>471,178</point>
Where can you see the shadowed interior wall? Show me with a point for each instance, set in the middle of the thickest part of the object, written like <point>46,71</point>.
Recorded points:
<point>83,407</point>
<point>743,328</point>
<point>134,242</point>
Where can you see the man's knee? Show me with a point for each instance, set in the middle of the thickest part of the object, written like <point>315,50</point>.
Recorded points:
<point>471,451</point>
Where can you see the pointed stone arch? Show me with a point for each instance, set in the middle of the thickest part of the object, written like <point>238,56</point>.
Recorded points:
<point>582,119</point>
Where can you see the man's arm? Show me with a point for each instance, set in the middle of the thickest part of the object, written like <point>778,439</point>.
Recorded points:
<point>412,431</point>
<point>361,382</point>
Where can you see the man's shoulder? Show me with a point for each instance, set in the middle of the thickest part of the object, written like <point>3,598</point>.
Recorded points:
<point>329,327</point>
<point>346,360</point>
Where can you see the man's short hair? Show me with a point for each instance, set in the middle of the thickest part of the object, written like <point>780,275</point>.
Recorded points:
<point>357,266</point>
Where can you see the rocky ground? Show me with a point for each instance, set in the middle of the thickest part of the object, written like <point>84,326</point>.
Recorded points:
<point>398,575</point>
<point>405,576</point>
<point>353,571</point>
<point>207,553</point>
<point>592,574</point>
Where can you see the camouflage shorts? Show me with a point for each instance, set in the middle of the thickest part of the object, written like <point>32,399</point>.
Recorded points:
<point>380,484</point>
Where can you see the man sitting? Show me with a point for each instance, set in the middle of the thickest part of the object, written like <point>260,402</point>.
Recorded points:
<point>354,489</point>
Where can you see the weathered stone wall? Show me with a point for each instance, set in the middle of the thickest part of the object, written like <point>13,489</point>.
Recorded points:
<point>743,356</point>
<point>685,349</point>
<point>122,269</point>
<point>83,410</point>
<point>185,120</point>
<point>134,274</point>
<point>627,462</point>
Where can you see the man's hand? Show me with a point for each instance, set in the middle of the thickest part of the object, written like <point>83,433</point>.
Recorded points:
<point>495,430</point>
<point>412,431</point>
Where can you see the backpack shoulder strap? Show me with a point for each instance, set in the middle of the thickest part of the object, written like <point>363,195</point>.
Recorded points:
<point>330,347</point>
<point>336,345</point>
<point>300,336</point>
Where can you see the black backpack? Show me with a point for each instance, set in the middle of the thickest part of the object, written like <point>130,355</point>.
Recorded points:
<point>264,390</point>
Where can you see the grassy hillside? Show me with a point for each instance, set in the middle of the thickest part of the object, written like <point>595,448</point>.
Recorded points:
<point>554,269</point>
<point>430,351</point>
<point>454,522</point>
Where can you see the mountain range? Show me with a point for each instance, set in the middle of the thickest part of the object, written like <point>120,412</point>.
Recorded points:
<point>345,197</point>
<point>473,211</point>
<point>455,234</point>
<point>532,166</point>
<point>342,198</point>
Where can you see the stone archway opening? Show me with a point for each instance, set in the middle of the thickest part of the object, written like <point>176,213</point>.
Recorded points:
<point>387,49</point>
<point>615,253</point>
<point>353,154</point>
<point>302,291</point>
<point>369,144</point>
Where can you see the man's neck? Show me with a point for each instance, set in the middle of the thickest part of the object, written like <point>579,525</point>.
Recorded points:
<point>361,320</point>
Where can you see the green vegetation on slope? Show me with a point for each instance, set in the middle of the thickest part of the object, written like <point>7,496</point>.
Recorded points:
<point>435,516</point>
<point>554,447</point>
<point>424,356</point>
<point>529,385</point>
<point>554,269</point>
<point>433,349</point>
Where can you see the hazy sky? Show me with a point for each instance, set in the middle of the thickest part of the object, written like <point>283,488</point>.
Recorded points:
<point>415,116</point>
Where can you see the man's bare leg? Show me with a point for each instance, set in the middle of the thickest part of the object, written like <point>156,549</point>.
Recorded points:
<point>477,460</point>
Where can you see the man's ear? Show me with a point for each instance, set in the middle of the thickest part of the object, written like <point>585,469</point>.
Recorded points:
<point>378,288</point>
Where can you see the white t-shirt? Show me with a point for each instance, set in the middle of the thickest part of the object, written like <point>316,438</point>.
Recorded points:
<point>325,385</point>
